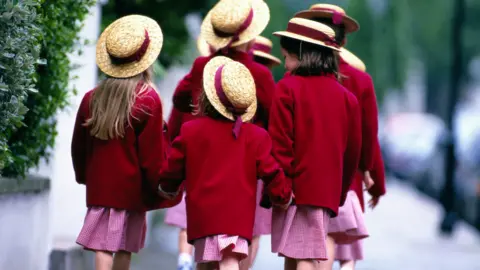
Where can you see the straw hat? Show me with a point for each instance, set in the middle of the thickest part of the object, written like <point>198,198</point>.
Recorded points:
<point>203,48</point>
<point>234,22</point>
<point>310,31</point>
<point>262,48</point>
<point>352,59</point>
<point>336,13</point>
<point>224,75</point>
<point>129,46</point>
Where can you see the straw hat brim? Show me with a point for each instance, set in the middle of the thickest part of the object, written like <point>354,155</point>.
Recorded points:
<point>270,57</point>
<point>131,69</point>
<point>351,25</point>
<point>261,17</point>
<point>211,93</point>
<point>203,47</point>
<point>352,59</point>
<point>304,38</point>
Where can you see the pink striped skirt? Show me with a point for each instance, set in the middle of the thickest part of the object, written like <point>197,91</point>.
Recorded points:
<point>350,252</point>
<point>300,232</point>
<point>263,217</point>
<point>349,226</point>
<point>113,230</point>
<point>213,248</point>
<point>177,215</point>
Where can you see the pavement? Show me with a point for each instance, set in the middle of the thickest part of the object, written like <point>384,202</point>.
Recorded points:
<point>403,236</point>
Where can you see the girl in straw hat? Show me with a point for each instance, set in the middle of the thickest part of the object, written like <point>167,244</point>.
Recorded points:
<point>316,133</point>
<point>220,156</point>
<point>361,85</point>
<point>118,143</point>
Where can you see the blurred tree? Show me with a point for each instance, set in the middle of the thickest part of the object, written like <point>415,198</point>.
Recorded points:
<point>169,14</point>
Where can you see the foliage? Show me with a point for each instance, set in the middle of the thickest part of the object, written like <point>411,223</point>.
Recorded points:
<point>60,22</point>
<point>168,13</point>
<point>19,52</point>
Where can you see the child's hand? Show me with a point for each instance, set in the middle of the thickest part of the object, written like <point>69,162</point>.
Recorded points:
<point>367,179</point>
<point>285,206</point>
<point>373,202</point>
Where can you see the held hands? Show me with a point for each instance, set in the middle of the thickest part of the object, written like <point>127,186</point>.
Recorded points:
<point>373,202</point>
<point>285,206</point>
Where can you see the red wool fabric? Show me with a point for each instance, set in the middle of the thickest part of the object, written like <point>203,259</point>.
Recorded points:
<point>220,176</point>
<point>316,131</point>
<point>190,87</point>
<point>122,173</point>
<point>361,85</point>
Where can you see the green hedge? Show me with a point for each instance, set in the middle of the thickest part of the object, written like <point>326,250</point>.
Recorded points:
<point>19,51</point>
<point>60,23</point>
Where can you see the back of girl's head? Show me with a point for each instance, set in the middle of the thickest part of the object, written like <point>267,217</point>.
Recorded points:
<point>314,60</point>
<point>112,104</point>
<point>339,29</point>
<point>205,108</point>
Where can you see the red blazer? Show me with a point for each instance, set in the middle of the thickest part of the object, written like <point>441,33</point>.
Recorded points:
<point>316,132</point>
<point>220,174</point>
<point>361,85</point>
<point>175,121</point>
<point>378,176</point>
<point>190,87</point>
<point>122,173</point>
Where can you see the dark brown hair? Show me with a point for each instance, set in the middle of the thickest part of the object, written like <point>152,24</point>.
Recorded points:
<point>205,108</point>
<point>315,60</point>
<point>339,29</point>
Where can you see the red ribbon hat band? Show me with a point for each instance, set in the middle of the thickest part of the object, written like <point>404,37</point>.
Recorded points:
<point>261,47</point>
<point>237,113</point>
<point>136,56</point>
<point>337,17</point>
<point>311,33</point>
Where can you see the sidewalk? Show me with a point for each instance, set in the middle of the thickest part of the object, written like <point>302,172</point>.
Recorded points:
<point>403,237</point>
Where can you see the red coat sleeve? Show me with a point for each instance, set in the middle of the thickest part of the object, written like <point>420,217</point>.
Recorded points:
<point>368,103</point>
<point>354,146</point>
<point>265,93</point>
<point>281,128</point>
<point>173,170</point>
<point>174,123</point>
<point>183,95</point>
<point>378,174</point>
<point>79,141</point>
<point>151,145</point>
<point>278,188</point>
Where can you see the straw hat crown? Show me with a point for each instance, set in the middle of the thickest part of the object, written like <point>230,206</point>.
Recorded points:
<point>238,86</point>
<point>310,31</point>
<point>328,7</point>
<point>129,46</point>
<point>229,15</point>
<point>124,40</point>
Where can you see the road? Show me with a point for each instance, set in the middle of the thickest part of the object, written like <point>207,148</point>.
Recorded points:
<point>403,237</point>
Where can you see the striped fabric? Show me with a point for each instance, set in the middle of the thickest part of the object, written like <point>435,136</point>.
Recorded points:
<point>211,249</point>
<point>349,226</point>
<point>112,230</point>
<point>177,215</point>
<point>351,252</point>
<point>300,232</point>
<point>263,217</point>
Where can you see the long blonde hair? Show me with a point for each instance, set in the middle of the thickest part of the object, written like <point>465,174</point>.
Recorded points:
<point>112,103</point>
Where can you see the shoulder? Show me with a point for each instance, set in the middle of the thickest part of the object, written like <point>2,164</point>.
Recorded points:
<point>194,125</point>
<point>356,74</point>
<point>258,70</point>
<point>85,103</point>
<point>200,62</point>
<point>289,82</point>
<point>256,133</point>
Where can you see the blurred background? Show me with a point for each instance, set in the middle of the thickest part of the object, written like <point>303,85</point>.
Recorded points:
<point>422,55</point>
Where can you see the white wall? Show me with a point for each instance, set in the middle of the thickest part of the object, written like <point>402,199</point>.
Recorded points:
<point>67,200</point>
<point>23,227</point>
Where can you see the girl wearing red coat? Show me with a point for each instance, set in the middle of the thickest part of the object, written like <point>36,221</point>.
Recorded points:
<point>229,29</point>
<point>316,133</point>
<point>118,143</point>
<point>219,157</point>
<point>350,227</point>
